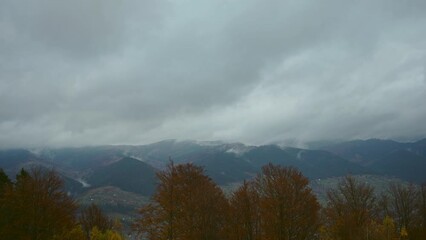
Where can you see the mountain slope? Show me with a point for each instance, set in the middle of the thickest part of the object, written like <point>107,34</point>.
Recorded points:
<point>403,164</point>
<point>128,174</point>
<point>262,155</point>
<point>82,158</point>
<point>323,164</point>
<point>404,160</point>
<point>364,152</point>
<point>132,167</point>
<point>14,158</point>
<point>224,167</point>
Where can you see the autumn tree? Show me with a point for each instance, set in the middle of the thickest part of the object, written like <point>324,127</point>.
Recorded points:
<point>186,205</point>
<point>351,209</point>
<point>4,212</point>
<point>37,207</point>
<point>245,223</point>
<point>403,207</point>
<point>96,234</point>
<point>4,181</point>
<point>75,233</point>
<point>91,217</point>
<point>288,208</point>
<point>422,210</point>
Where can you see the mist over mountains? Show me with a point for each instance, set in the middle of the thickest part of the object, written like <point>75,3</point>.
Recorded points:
<point>132,168</point>
<point>121,178</point>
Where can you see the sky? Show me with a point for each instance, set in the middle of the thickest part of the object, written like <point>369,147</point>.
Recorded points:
<point>78,72</point>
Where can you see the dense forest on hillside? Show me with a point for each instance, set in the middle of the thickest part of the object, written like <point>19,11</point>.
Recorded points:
<point>277,204</point>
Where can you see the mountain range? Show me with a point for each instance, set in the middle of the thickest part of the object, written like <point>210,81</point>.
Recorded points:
<point>133,169</point>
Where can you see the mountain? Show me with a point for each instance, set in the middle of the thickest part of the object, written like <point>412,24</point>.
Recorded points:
<point>259,156</point>
<point>386,157</point>
<point>132,168</point>
<point>419,147</point>
<point>323,164</point>
<point>402,164</point>
<point>227,163</point>
<point>364,152</point>
<point>81,159</point>
<point>158,154</point>
<point>12,160</point>
<point>121,178</point>
<point>128,174</point>
<point>225,167</point>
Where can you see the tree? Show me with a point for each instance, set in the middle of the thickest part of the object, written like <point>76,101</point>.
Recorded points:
<point>403,200</point>
<point>389,227</point>
<point>422,210</point>
<point>4,181</point>
<point>245,211</point>
<point>351,208</point>
<point>96,234</point>
<point>186,205</point>
<point>91,217</point>
<point>73,234</point>
<point>288,208</point>
<point>37,207</point>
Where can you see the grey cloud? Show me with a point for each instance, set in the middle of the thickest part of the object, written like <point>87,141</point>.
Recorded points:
<point>80,29</point>
<point>108,72</point>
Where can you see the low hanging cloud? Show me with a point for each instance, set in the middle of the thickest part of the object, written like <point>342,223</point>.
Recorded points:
<point>76,73</point>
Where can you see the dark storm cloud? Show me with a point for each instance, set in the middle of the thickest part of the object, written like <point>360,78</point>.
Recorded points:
<point>107,72</point>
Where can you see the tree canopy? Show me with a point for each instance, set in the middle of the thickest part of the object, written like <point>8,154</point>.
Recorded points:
<point>186,205</point>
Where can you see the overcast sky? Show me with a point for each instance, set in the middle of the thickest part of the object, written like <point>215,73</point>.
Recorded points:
<point>79,72</point>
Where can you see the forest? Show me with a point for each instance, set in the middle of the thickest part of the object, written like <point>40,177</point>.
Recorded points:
<point>276,204</point>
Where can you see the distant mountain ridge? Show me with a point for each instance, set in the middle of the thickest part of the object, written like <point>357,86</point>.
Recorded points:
<point>386,157</point>
<point>368,151</point>
<point>132,168</point>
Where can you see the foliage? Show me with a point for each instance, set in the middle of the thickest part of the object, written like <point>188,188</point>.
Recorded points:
<point>351,208</point>
<point>4,180</point>
<point>74,234</point>
<point>277,204</point>
<point>96,234</point>
<point>245,211</point>
<point>186,205</point>
<point>288,208</point>
<point>36,207</point>
<point>92,217</point>
<point>403,205</point>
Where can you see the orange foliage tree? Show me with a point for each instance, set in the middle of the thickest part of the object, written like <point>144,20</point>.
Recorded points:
<point>277,204</point>
<point>407,204</point>
<point>288,208</point>
<point>351,209</point>
<point>186,205</point>
<point>36,207</point>
<point>245,222</point>
<point>92,217</point>
<point>422,210</point>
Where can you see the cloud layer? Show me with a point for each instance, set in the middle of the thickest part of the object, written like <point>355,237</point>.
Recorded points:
<point>131,72</point>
